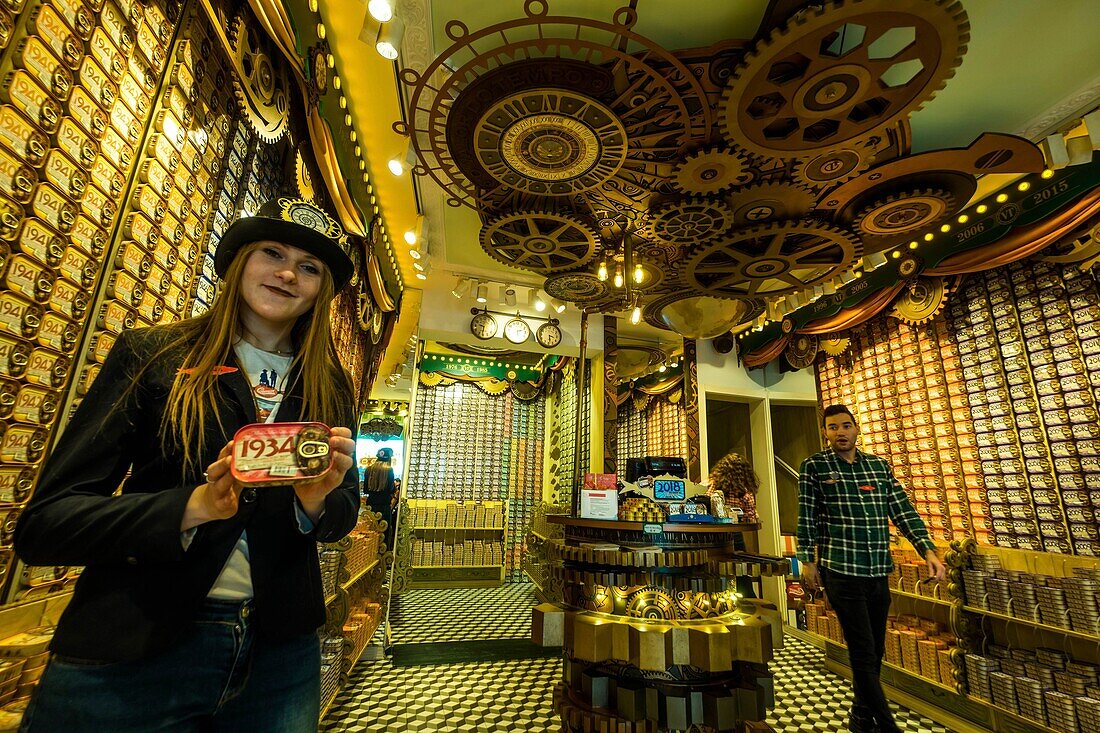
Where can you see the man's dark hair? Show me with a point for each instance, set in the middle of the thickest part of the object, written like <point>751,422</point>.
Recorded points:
<point>836,410</point>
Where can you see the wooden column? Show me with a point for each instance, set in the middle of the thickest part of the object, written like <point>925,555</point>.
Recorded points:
<point>691,409</point>
<point>610,409</point>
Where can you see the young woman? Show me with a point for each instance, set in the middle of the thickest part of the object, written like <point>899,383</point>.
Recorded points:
<point>200,601</point>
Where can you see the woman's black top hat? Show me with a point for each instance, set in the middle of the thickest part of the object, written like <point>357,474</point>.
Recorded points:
<point>296,223</point>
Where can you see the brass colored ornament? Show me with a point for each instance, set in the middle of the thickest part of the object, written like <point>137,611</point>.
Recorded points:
<point>833,167</point>
<point>772,260</point>
<point>901,213</point>
<point>769,202</point>
<point>1083,249</point>
<point>921,301</point>
<point>575,287</point>
<point>259,81</point>
<point>909,266</point>
<point>712,170</point>
<point>651,603</point>
<point>302,177</point>
<point>834,346</point>
<point>802,351</point>
<point>543,242</point>
<point>817,82</point>
<point>689,222</point>
<point>661,312</point>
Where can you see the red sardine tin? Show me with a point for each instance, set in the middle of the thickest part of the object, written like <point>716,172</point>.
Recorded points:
<point>281,453</point>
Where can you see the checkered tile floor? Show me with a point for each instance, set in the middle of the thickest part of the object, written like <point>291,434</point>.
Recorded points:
<point>462,614</point>
<point>516,696</point>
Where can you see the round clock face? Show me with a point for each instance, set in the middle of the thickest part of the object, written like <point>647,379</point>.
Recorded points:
<point>517,331</point>
<point>484,326</point>
<point>548,335</point>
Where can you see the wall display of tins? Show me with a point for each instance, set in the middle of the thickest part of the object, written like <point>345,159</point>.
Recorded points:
<point>565,423</point>
<point>470,446</point>
<point>654,428</point>
<point>906,385</point>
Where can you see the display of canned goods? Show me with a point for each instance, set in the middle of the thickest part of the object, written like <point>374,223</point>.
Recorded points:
<point>159,280</point>
<point>21,90</point>
<point>178,204</point>
<point>176,299</point>
<point>87,376</point>
<point>17,179</point>
<point>106,54</point>
<point>149,46</point>
<point>14,356</point>
<point>151,307</point>
<point>125,124</point>
<point>134,258</point>
<point>173,230</point>
<point>1090,465</point>
<point>1086,331</point>
<point>29,278</point>
<point>58,333</point>
<point>182,275</point>
<point>134,97</point>
<point>117,28</point>
<point>19,316</point>
<point>65,174</point>
<point>164,152</point>
<point>207,268</point>
<point>21,136</point>
<point>148,200</point>
<point>184,80</point>
<point>78,267</point>
<point>99,206</point>
<point>115,317</point>
<point>165,254</point>
<point>108,177</point>
<point>16,482</point>
<point>87,115</point>
<point>44,22</point>
<point>100,346</point>
<point>47,368</point>
<point>122,286</point>
<point>205,289</point>
<point>88,237</point>
<point>35,404</point>
<point>93,79</point>
<point>22,443</point>
<point>40,62</point>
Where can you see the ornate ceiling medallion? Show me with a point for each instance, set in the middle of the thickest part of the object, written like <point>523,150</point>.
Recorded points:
<point>838,72</point>
<point>905,212</point>
<point>921,301</point>
<point>833,167</point>
<point>772,260</point>
<point>540,241</point>
<point>576,287</point>
<point>259,81</point>
<point>550,142</point>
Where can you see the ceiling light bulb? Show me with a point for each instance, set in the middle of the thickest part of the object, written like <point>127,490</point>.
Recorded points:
<point>639,273</point>
<point>982,208</point>
<point>602,272</point>
<point>482,292</point>
<point>540,304</point>
<point>410,237</point>
<point>558,305</point>
<point>636,315</point>
<point>618,278</point>
<point>421,276</point>
<point>380,10</point>
<point>417,266</point>
<point>389,39</point>
<point>414,253</point>
<point>395,166</point>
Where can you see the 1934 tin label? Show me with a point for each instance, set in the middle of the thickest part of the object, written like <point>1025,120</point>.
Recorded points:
<point>280,453</point>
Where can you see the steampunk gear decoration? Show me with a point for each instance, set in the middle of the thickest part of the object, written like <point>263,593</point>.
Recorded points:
<point>543,242</point>
<point>802,351</point>
<point>921,301</point>
<point>260,81</point>
<point>754,169</point>
<point>835,346</point>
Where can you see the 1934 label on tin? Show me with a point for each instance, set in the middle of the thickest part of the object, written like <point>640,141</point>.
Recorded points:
<point>281,453</point>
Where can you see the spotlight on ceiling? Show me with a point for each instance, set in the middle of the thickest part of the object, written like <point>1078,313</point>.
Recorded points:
<point>380,10</point>
<point>558,305</point>
<point>462,287</point>
<point>388,44</point>
<point>537,301</point>
<point>509,296</point>
<point>482,292</point>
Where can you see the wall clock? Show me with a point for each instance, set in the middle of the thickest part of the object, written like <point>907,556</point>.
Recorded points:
<point>548,335</point>
<point>517,331</point>
<point>484,326</point>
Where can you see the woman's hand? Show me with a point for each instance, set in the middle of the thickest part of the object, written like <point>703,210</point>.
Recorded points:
<point>312,493</point>
<point>218,498</point>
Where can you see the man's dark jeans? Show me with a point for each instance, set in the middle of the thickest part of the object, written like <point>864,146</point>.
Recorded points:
<point>862,606</point>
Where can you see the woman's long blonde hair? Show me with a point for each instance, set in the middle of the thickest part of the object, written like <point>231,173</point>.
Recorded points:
<point>208,339</point>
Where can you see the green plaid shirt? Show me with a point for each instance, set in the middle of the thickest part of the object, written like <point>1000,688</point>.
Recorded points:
<point>844,511</point>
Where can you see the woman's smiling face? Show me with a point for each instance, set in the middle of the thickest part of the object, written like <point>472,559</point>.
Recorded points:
<point>280,282</point>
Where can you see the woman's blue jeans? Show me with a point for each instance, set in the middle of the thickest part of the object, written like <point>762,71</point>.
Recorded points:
<point>218,677</point>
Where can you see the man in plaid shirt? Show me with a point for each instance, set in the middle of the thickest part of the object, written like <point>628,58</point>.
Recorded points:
<point>846,501</point>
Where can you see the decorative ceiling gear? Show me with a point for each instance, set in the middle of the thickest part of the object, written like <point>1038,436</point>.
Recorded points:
<point>834,346</point>
<point>909,266</point>
<point>770,201</point>
<point>575,287</point>
<point>838,72</point>
<point>712,170</point>
<point>662,106</point>
<point>651,603</point>
<point>1082,249</point>
<point>801,351</point>
<point>540,241</point>
<point>302,176</point>
<point>921,301</point>
<point>905,212</point>
<point>663,312</point>
<point>689,222</point>
<point>833,167</point>
<point>259,80</point>
<point>772,260</point>
<point>550,142</point>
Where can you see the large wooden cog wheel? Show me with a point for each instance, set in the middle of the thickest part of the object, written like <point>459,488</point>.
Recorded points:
<point>542,242</point>
<point>259,82</point>
<point>921,301</point>
<point>772,260</point>
<point>839,72</point>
